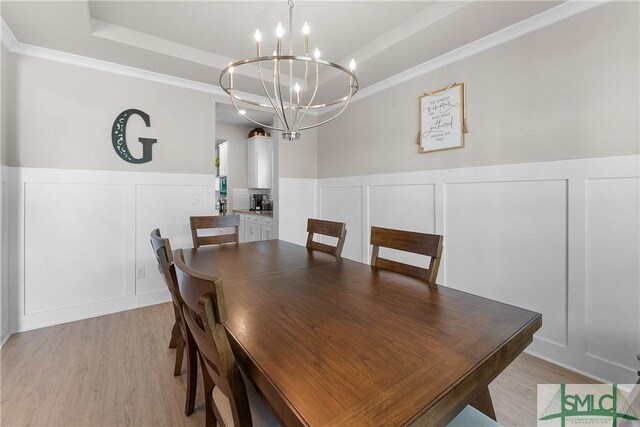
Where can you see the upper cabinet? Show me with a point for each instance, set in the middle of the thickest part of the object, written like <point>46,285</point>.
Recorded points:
<point>259,162</point>
<point>223,151</point>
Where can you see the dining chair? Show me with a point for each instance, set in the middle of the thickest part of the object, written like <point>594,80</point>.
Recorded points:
<point>214,222</point>
<point>407,241</point>
<point>480,412</point>
<point>230,398</point>
<point>326,228</point>
<point>180,339</point>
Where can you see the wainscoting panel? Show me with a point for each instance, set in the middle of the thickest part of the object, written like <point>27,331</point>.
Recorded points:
<point>67,261</point>
<point>167,207</point>
<point>613,270</point>
<point>404,207</point>
<point>4,255</point>
<point>79,238</point>
<point>297,199</point>
<point>344,204</point>
<point>508,241</point>
<point>560,238</point>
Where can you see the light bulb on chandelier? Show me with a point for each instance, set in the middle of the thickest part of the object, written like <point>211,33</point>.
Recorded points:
<point>299,97</point>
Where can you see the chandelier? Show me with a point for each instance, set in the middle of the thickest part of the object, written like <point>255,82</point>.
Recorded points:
<point>291,102</point>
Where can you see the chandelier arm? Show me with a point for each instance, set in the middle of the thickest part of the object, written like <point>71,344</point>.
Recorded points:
<point>284,113</point>
<point>266,92</point>
<point>312,107</point>
<point>304,86</point>
<point>249,118</point>
<point>313,96</point>
<point>344,107</point>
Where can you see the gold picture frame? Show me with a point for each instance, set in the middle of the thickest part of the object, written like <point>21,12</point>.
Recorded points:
<point>442,119</point>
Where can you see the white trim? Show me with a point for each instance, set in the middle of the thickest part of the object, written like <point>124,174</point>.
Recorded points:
<point>7,37</point>
<point>20,48</point>
<point>4,340</point>
<point>534,23</point>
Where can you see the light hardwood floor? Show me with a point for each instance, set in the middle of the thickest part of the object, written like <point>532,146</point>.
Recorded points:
<point>116,370</point>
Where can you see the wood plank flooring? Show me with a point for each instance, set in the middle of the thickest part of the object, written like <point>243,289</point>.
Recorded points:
<point>117,370</point>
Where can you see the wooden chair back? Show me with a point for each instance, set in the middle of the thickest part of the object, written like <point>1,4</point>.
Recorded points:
<point>407,241</point>
<point>213,222</point>
<point>204,312</point>
<point>162,250</point>
<point>326,228</point>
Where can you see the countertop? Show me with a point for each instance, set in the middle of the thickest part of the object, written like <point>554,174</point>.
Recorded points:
<point>259,213</point>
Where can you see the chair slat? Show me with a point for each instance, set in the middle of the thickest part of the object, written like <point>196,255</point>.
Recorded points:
<point>402,268</point>
<point>214,222</point>
<point>216,240</point>
<point>407,241</point>
<point>326,228</point>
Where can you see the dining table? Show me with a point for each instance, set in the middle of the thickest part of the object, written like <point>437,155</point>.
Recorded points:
<point>335,342</point>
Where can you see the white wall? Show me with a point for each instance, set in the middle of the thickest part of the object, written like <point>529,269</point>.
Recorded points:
<point>299,159</point>
<point>569,90</point>
<point>560,238</point>
<point>6,90</point>
<point>236,156</point>
<point>64,114</point>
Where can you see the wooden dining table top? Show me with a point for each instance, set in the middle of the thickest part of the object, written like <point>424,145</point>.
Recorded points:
<point>335,342</point>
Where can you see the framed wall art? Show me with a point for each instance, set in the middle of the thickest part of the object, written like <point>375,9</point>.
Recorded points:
<point>442,120</point>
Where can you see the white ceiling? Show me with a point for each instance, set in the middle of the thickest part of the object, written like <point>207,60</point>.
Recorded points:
<point>195,40</point>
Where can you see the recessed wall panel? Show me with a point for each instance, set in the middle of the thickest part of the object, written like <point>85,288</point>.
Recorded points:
<point>613,270</point>
<point>296,206</point>
<point>74,245</point>
<point>508,241</point>
<point>167,207</point>
<point>344,204</point>
<point>403,207</point>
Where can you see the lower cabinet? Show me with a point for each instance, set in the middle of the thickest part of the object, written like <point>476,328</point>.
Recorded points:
<point>255,227</point>
<point>251,232</point>
<point>266,233</point>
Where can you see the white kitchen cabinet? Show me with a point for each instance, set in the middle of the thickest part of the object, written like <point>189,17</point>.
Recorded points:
<point>255,227</point>
<point>241,236</point>
<point>266,233</point>
<point>223,154</point>
<point>259,162</point>
<point>251,232</point>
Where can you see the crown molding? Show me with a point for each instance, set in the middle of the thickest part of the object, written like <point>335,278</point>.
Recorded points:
<point>544,19</point>
<point>526,26</point>
<point>6,36</point>
<point>17,47</point>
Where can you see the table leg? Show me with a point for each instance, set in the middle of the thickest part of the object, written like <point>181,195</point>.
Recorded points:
<point>483,403</point>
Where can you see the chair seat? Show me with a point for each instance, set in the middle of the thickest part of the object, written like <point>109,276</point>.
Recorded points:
<point>261,414</point>
<point>471,417</point>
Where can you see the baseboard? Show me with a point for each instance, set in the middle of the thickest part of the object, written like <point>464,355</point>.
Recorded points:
<point>141,301</point>
<point>4,340</point>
